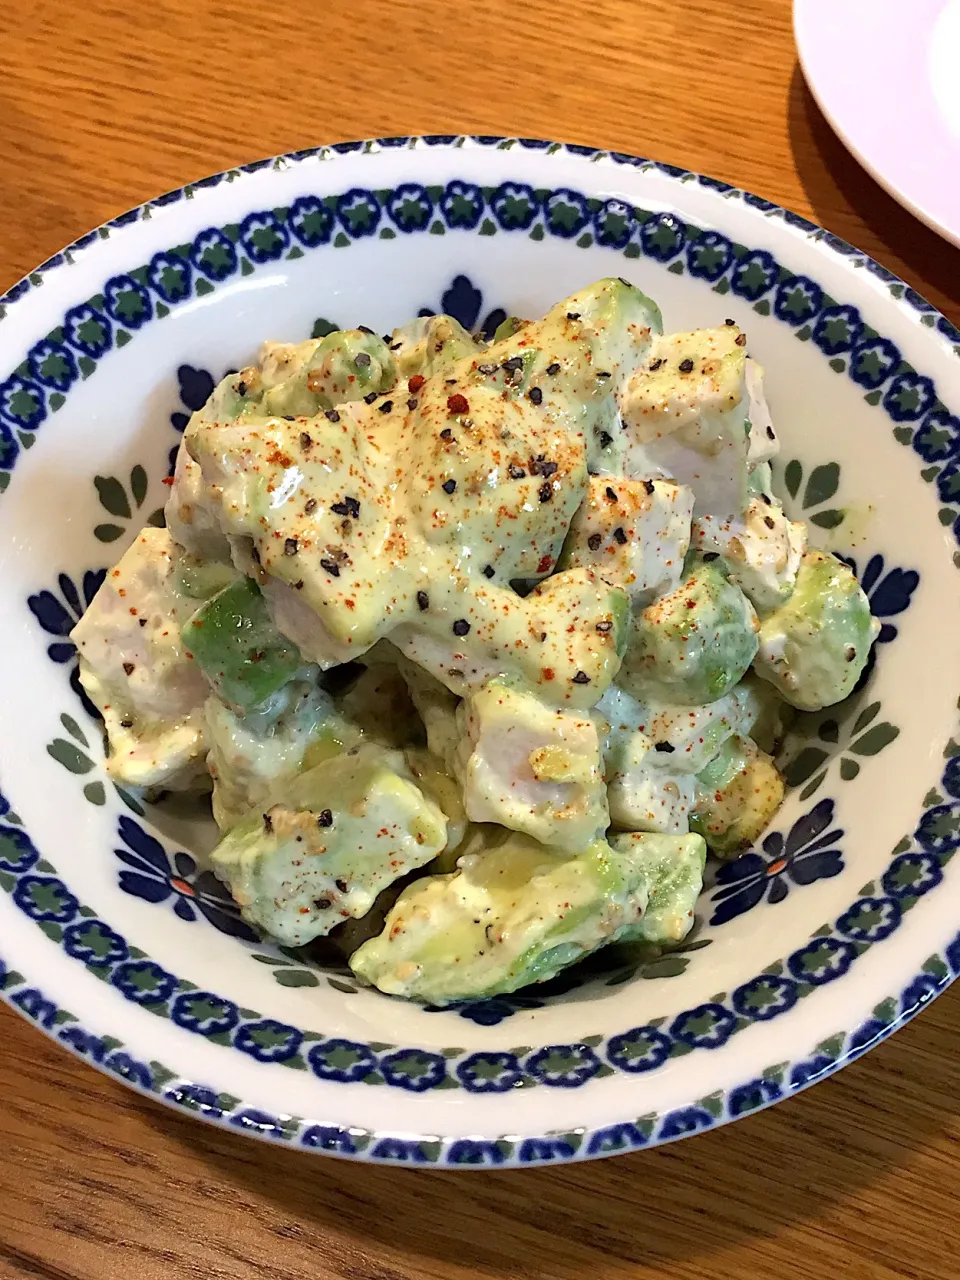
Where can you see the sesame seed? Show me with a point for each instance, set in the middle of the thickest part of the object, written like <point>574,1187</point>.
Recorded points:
<point>324,818</point>
<point>620,536</point>
<point>290,547</point>
<point>581,678</point>
<point>686,366</point>
<point>386,406</point>
<point>449,486</point>
<point>423,600</point>
<point>461,627</point>
<point>332,415</point>
<point>545,492</point>
<point>536,395</point>
<point>665,748</point>
<point>331,567</point>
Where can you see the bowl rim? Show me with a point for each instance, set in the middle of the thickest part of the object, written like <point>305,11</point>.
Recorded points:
<point>607,1139</point>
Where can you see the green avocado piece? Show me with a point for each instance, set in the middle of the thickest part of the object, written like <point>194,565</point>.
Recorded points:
<point>237,647</point>
<point>673,866</point>
<point>813,649</point>
<point>693,645</point>
<point>737,796</point>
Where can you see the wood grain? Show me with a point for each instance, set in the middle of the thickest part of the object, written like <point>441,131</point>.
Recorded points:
<point>103,105</point>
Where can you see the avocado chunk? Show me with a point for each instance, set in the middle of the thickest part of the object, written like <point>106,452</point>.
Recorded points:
<point>674,867</point>
<point>737,796</point>
<point>337,836</point>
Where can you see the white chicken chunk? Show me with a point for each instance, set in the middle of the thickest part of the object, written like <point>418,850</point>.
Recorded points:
<point>191,516</point>
<point>138,674</point>
<point>762,550</point>
<point>530,767</point>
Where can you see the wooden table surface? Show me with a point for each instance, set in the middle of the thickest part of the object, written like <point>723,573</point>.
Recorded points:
<point>105,104</point>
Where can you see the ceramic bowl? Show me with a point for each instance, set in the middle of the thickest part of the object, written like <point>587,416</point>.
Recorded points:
<point>840,924</point>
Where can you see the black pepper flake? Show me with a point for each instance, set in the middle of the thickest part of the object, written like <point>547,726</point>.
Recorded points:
<point>710,556</point>
<point>395,346</point>
<point>449,486</point>
<point>323,904</point>
<point>655,365</point>
<point>850,652</point>
<point>332,415</point>
<point>593,542</point>
<point>553,368</point>
<point>740,340</point>
<point>461,627</point>
<point>386,406</point>
<point>650,487</point>
<point>573,315</point>
<point>620,536</point>
<point>412,402</point>
<point>363,329</point>
<point>306,440</point>
<point>310,506</point>
<point>545,492</point>
<point>298,586</point>
<point>581,678</point>
<point>488,571</point>
<point>610,494</point>
<point>543,636</point>
<point>446,434</point>
<point>342,885</point>
<point>241,388</point>
<point>515,472</point>
<point>129,668</point>
<point>449,382</point>
<point>666,748</point>
<point>288,417</point>
<point>626,282</point>
<point>331,567</point>
<point>324,818</point>
<point>686,366</point>
<point>604,627</point>
<point>486,369</point>
<point>126,724</point>
<point>362,360</point>
<point>142,622</point>
<point>729,323</point>
<point>255,555</point>
<point>536,395</point>
<point>267,823</point>
<point>370,397</point>
<point>604,373</point>
<point>290,547</point>
<point>348,507</point>
<point>423,600</point>
<point>764,498</point>
<point>771,434</point>
<point>605,439</point>
<point>514,364</point>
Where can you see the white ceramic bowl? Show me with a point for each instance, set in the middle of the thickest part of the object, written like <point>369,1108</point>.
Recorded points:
<point>813,947</point>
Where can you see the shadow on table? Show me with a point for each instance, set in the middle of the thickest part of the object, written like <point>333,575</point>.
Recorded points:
<point>843,195</point>
<point>683,1202</point>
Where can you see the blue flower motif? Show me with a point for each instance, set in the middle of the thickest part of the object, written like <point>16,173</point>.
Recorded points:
<point>870,919</point>
<point>196,1097</point>
<point>53,365</point>
<point>939,829</point>
<point>359,212</point>
<point>9,448</point>
<point>865,1037</point>
<point>797,300</point>
<point>328,1137</point>
<point>677,1124</point>
<point>22,403</point>
<point>488,1013</point>
<point>813,1069</point>
<point>204,1013</point>
<point>920,991</point>
<point>144,982</point>
<point>765,997</point>
<point>17,852</point>
<point>462,300</point>
<point>94,942</point>
<point>805,856</point>
<point>952,955</point>
<point>473,1151</point>
<point>45,899</point>
<point>564,1066</point>
<point>708,1026</point>
<point>268,1040</point>
<point>615,1138</point>
<point>822,961</point>
<point>797,220</point>
<point>613,224</point>
<point>127,302</point>
<point>261,1122</point>
<point>709,257</point>
<point>565,213</point>
<point>951,777</point>
<point>642,1049</point>
<point>59,617</point>
<point>343,1060</point>
<point>938,436</point>
<point>310,221</point>
<point>909,397</point>
<point>537,1150</point>
<point>88,330</point>
<point>400,1149</point>
<point>838,328</point>
<point>122,1064</point>
<point>195,387</point>
<point>213,254</point>
<point>949,330</point>
<point>263,236</point>
<point>410,207</point>
<point>171,276</point>
<point>91,1046</point>
<point>514,206</point>
<point>749,1097</point>
<point>36,1006</point>
<point>491,1071</point>
<point>462,205</point>
<point>662,236</point>
<point>758,202</point>
<point>912,875</point>
<point>872,362</point>
<point>889,593</point>
<point>156,877</point>
<point>754,275</point>
<point>948,483</point>
<point>416,1070</point>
